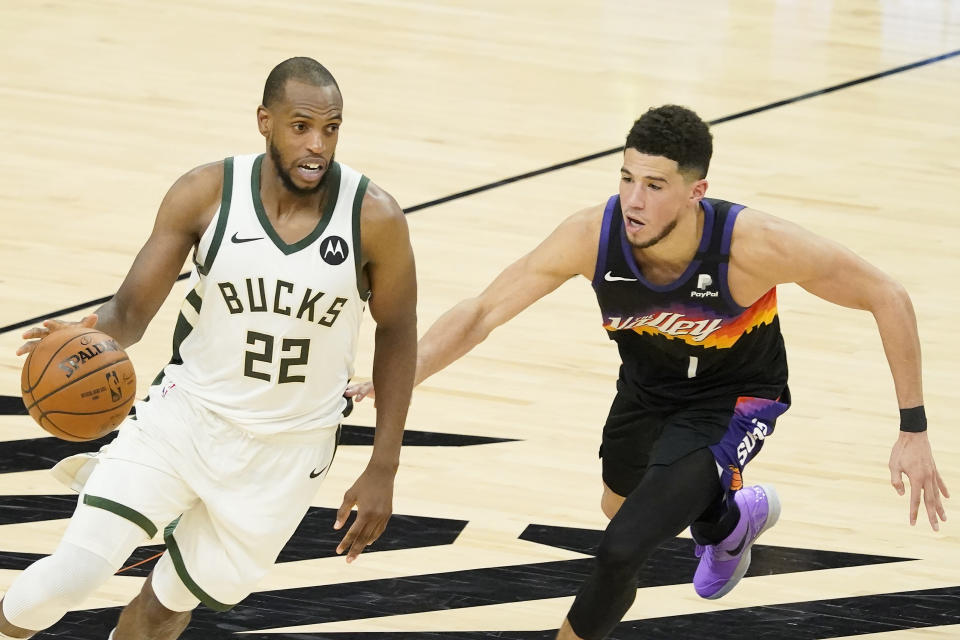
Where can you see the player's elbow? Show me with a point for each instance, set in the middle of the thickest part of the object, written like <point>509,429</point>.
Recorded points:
<point>890,295</point>
<point>485,317</point>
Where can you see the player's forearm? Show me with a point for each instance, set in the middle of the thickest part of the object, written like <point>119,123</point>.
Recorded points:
<point>451,337</point>
<point>123,328</point>
<point>394,361</point>
<point>897,324</point>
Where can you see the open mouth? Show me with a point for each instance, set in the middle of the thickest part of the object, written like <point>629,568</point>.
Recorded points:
<point>632,224</point>
<point>310,170</point>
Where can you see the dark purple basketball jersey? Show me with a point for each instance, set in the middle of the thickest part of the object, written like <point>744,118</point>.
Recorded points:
<point>687,342</point>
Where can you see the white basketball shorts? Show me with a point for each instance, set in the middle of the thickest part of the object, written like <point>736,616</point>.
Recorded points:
<point>228,501</point>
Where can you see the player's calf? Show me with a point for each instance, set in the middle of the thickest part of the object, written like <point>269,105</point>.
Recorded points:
<point>146,618</point>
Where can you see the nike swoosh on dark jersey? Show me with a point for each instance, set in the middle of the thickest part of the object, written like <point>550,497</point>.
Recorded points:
<point>609,277</point>
<point>234,239</point>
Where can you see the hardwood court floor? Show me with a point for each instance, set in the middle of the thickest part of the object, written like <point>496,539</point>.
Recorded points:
<point>107,102</point>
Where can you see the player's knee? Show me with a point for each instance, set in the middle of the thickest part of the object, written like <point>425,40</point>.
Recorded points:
<point>50,587</point>
<point>167,589</point>
<point>610,505</point>
<point>617,554</point>
<point>610,502</point>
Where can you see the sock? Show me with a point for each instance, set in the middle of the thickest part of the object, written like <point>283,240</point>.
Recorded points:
<point>715,532</point>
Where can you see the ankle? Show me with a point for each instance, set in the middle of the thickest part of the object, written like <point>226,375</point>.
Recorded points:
<point>712,533</point>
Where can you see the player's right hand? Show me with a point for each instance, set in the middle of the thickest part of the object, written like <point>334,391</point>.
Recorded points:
<point>360,391</point>
<point>912,455</point>
<point>35,334</point>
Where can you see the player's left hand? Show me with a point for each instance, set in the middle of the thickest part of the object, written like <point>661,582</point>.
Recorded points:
<point>360,390</point>
<point>912,455</point>
<point>372,494</point>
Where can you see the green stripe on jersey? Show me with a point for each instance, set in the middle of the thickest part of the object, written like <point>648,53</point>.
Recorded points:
<point>194,299</point>
<point>180,332</point>
<point>357,247</point>
<point>225,197</point>
<point>332,187</point>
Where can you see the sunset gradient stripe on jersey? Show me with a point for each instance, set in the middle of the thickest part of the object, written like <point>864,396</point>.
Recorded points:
<point>763,311</point>
<point>762,408</point>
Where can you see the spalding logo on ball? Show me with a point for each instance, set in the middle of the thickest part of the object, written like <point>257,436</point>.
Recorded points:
<point>78,383</point>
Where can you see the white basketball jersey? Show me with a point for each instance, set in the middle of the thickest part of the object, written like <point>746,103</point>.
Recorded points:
<point>268,332</point>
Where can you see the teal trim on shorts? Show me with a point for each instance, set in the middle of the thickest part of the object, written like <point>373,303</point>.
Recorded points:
<point>123,511</point>
<point>174,550</point>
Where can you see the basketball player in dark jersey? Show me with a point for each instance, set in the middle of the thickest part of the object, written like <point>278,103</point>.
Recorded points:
<point>687,289</point>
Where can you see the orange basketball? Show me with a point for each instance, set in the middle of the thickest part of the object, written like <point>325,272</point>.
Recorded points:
<point>78,383</point>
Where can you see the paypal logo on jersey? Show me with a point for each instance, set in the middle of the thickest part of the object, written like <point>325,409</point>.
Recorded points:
<point>704,280</point>
<point>334,250</point>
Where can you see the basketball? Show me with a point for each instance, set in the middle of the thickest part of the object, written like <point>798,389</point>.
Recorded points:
<point>78,383</point>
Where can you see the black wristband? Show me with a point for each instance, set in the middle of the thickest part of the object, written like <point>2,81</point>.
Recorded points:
<point>913,420</point>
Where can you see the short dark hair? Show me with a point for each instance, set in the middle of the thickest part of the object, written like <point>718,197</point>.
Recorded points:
<point>676,133</point>
<point>301,69</point>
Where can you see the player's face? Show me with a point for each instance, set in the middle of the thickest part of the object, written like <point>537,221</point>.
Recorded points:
<point>301,132</point>
<point>653,194</point>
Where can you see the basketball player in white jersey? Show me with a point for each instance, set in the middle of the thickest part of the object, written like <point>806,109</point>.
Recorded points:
<point>238,430</point>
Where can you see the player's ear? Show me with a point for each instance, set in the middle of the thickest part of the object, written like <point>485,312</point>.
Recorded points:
<point>263,120</point>
<point>698,190</point>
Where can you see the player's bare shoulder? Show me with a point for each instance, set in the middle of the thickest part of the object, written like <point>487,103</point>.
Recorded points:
<point>576,240</point>
<point>759,238</point>
<point>765,251</point>
<point>587,220</point>
<point>382,221</point>
<point>193,199</point>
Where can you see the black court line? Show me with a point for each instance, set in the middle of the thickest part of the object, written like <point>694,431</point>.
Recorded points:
<point>61,312</point>
<point>564,165</point>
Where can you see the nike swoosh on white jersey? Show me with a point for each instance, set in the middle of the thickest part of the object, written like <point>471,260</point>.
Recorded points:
<point>609,277</point>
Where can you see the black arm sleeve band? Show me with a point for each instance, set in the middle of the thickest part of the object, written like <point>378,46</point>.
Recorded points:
<point>913,420</point>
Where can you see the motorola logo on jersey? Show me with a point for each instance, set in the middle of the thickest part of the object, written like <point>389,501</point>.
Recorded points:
<point>334,250</point>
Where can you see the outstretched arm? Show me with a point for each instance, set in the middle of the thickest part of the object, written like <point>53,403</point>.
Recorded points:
<point>776,251</point>
<point>570,250</point>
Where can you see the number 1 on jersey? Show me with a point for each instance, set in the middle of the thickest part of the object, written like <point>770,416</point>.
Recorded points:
<point>692,369</point>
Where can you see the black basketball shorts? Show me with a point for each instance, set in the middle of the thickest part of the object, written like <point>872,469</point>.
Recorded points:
<point>636,437</point>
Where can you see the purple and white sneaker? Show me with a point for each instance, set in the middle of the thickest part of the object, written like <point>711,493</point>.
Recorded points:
<point>723,564</point>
